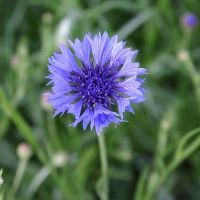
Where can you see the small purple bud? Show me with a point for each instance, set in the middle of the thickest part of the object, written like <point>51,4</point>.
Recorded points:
<point>190,20</point>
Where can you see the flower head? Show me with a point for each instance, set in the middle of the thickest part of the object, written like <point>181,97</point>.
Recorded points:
<point>190,20</point>
<point>97,81</point>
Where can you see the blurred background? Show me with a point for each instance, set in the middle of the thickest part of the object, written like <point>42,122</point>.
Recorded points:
<point>155,156</point>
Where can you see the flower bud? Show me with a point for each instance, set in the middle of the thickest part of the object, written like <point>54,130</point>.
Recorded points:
<point>60,159</point>
<point>165,124</point>
<point>44,101</point>
<point>14,61</point>
<point>47,18</point>
<point>190,20</point>
<point>182,55</point>
<point>1,179</point>
<point>24,151</point>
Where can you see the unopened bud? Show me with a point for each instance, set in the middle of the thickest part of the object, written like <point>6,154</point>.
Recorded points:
<point>183,55</point>
<point>24,151</point>
<point>1,179</point>
<point>60,159</point>
<point>14,61</point>
<point>47,18</point>
<point>165,124</point>
<point>44,101</point>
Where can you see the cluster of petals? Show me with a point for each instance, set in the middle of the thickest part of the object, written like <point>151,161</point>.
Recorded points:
<point>96,80</point>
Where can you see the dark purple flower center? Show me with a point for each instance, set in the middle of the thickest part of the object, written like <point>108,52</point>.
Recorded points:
<point>96,85</point>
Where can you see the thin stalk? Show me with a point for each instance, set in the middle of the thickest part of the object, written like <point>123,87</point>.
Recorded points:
<point>18,178</point>
<point>178,159</point>
<point>104,167</point>
<point>194,75</point>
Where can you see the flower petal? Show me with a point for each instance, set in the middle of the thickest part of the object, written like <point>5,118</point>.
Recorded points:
<point>76,109</point>
<point>123,103</point>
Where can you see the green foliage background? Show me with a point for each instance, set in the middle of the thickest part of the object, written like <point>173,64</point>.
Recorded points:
<point>153,156</point>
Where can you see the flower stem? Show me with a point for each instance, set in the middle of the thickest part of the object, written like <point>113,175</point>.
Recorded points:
<point>18,178</point>
<point>104,167</point>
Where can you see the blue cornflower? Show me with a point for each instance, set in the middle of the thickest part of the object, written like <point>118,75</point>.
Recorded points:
<point>190,20</point>
<point>97,81</point>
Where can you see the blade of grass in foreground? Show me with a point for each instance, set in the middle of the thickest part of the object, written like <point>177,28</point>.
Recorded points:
<point>135,23</point>
<point>99,10</point>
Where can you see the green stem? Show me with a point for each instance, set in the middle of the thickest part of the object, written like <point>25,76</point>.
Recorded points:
<point>104,167</point>
<point>18,178</point>
<point>182,152</point>
<point>186,151</point>
<point>194,77</point>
